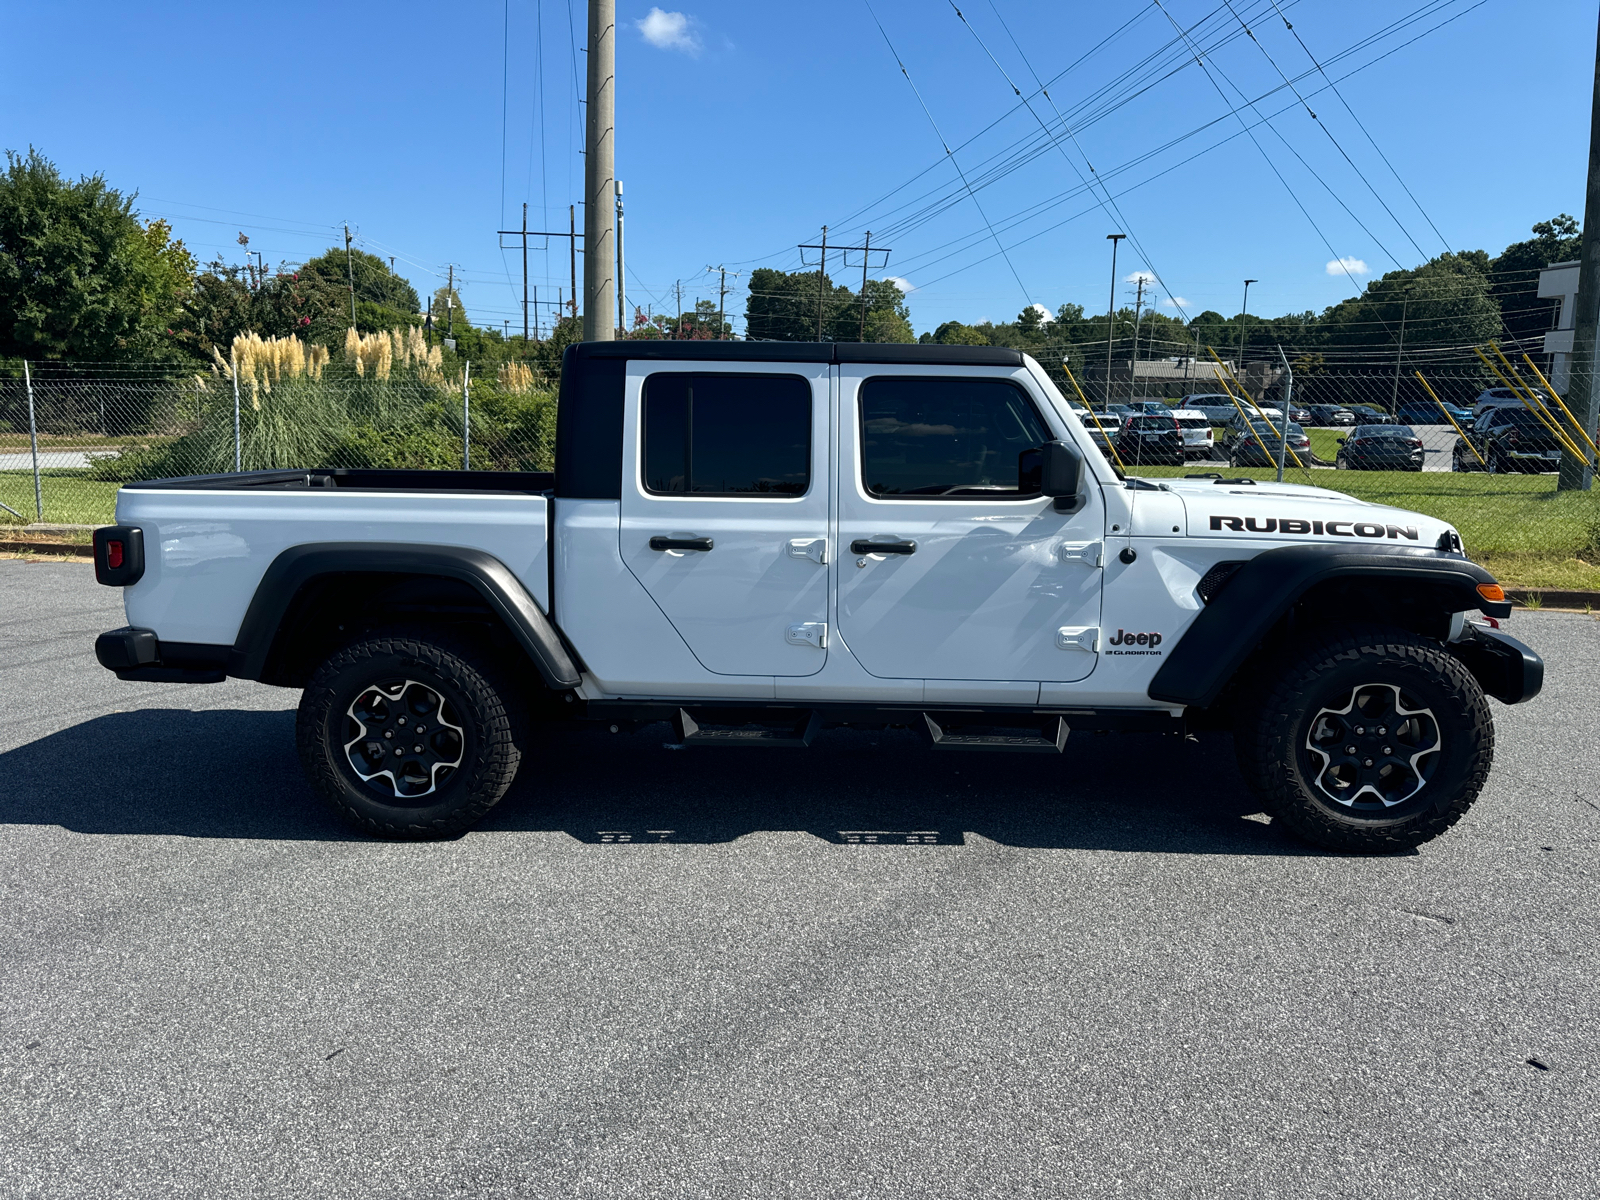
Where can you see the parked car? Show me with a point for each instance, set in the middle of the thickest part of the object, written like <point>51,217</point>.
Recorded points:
<point>1151,440</point>
<point>1426,412</point>
<point>1510,440</point>
<point>1153,406</point>
<point>1199,439</point>
<point>1330,415</point>
<point>1371,414</point>
<point>1217,414</point>
<point>1380,448</point>
<point>1258,445</point>
<point>754,541</point>
<point>1500,397</point>
<point>1123,410</point>
<point>1102,429</point>
<point>1302,415</point>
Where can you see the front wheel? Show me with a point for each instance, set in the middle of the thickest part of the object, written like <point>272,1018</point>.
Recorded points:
<point>409,736</point>
<point>1370,740</point>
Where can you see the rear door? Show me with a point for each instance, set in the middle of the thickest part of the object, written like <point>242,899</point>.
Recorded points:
<point>978,576</point>
<point>725,508</point>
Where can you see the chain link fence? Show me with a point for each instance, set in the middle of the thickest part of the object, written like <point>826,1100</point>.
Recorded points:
<point>1494,473</point>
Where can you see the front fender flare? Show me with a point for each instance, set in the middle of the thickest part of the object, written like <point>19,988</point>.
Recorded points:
<point>1229,629</point>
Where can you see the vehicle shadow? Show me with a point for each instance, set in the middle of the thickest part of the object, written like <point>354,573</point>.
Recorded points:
<point>234,774</point>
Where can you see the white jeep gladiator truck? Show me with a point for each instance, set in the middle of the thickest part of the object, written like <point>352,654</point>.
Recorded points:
<point>755,540</point>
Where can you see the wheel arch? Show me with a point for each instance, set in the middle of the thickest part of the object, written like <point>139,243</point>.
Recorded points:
<point>1264,599</point>
<point>310,594</point>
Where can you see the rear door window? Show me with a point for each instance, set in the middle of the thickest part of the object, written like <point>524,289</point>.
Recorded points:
<point>727,435</point>
<point>948,439</point>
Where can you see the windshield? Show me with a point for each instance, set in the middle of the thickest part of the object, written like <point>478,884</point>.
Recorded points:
<point>1194,422</point>
<point>1267,428</point>
<point>1386,431</point>
<point>1151,421</point>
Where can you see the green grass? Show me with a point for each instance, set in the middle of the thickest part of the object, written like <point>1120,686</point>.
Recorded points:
<point>69,498</point>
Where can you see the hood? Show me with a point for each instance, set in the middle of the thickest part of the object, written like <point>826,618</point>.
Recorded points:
<point>1285,513</point>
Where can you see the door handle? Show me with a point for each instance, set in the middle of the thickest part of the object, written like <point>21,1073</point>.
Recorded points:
<point>680,543</point>
<point>863,546</point>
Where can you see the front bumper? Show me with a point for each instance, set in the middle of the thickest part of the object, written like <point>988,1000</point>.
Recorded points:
<point>1505,668</point>
<point>138,655</point>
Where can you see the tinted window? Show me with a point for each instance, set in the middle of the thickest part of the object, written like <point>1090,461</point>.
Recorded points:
<point>950,438</point>
<point>727,435</point>
<point>1194,422</point>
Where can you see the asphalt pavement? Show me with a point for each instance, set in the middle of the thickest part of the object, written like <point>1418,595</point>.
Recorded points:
<point>865,969</point>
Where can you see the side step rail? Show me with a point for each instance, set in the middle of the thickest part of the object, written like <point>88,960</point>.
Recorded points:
<point>796,733</point>
<point>1049,736</point>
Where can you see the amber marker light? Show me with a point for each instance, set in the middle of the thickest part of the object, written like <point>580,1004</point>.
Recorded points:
<point>1492,592</point>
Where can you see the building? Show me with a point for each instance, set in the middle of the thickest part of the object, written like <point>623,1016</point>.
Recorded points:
<point>1559,281</point>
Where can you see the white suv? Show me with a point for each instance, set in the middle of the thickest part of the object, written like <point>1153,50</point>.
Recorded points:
<point>1198,436</point>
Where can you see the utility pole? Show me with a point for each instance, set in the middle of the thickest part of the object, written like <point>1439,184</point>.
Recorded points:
<point>1394,392</point>
<point>572,251</point>
<point>1133,363</point>
<point>350,268</point>
<point>866,246</point>
<point>1111,313</point>
<point>598,172</point>
<point>1581,389</point>
<point>822,280</point>
<point>722,297</point>
<point>450,301</point>
<point>622,280</point>
<point>525,233</point>
<point>866,249</point>
<point>1244,314</point>
<point>677,322</point>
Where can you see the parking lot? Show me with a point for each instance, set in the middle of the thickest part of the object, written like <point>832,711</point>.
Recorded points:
<point>865,969</point>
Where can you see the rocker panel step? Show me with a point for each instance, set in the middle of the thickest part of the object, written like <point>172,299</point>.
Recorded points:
<point>1048,737</point>
<point>796,733</point>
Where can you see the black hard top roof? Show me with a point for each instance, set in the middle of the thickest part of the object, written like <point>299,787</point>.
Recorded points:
<point>810,352</point>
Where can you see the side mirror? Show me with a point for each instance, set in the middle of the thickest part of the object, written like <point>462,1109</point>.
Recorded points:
<point>1054,469</point>
<point>1342,441</point>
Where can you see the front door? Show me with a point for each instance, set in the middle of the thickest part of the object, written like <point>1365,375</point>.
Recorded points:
<point>725,509</point>
<point>952,566</point>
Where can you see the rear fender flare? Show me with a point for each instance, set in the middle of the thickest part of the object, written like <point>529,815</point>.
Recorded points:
<point>295,568</point>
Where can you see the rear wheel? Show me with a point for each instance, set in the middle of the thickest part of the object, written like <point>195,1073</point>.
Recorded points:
<point>409,736</point>
<point>1370,740</point>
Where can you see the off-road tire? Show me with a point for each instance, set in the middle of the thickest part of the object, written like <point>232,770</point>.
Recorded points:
<point>482,703</point>
<point>1276,722</point>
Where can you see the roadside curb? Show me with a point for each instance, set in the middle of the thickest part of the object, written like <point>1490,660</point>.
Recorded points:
<point>1554,598</point>
<point>72,548</point>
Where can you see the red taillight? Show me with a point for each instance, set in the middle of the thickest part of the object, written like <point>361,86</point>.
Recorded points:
<point>113,555</point>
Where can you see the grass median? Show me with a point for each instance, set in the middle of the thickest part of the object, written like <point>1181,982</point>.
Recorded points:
<point>1519,526</point>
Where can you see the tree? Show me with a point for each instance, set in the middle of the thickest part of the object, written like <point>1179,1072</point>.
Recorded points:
<point>1516,275</point>
<point>81,277</point>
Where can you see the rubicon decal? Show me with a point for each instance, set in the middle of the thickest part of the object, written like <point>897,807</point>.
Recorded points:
<point>1134,643</point>
<point>1295,525</point>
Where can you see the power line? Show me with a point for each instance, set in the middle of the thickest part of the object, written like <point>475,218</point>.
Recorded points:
<point>948,154</point>
<point>1359,124</point>
<point>1323,126</point>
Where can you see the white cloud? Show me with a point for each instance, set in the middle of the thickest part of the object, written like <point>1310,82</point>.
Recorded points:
<point>668,31</point>
<point>1175,302</point>
<point>1141,275</point>
<point>1045,315</point>
<point>1348,264</point>
<point>905,285</point>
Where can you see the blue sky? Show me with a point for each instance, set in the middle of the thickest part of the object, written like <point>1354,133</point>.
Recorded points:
<point>743,128</point>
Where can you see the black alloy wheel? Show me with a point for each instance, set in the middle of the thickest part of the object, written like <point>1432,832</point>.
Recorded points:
<point>1368,739</point>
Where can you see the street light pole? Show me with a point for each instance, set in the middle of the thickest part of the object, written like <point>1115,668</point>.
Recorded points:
<point>1111,313</point>
<point>1244,315</point>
